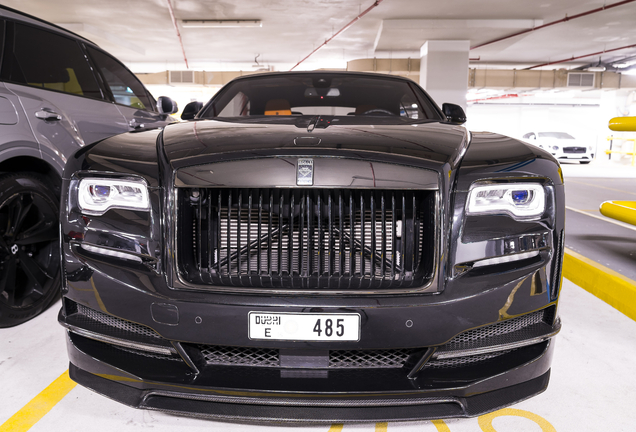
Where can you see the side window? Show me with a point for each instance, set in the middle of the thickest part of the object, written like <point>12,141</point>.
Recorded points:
<point>125,87</point>
<point>239,106</point>
<point>1,38</point>
<point>47,60</point>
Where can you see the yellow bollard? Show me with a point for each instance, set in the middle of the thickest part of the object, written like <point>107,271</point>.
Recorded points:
<point>624,211</point>
<point>623,124</point>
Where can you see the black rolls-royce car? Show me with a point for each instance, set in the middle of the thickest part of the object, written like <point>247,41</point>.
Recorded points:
<point>313,246</point>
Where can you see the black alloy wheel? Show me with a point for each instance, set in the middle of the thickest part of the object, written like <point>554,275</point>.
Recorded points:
<point>29,248</point>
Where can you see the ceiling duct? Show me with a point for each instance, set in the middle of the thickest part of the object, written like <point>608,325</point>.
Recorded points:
<point>580,79</point>
<point>181,77</point>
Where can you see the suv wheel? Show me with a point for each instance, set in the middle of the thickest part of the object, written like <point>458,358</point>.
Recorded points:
<point>29,248</point>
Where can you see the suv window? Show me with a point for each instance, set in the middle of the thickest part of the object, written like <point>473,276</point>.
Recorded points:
<point>125,87</point>
<point>1,38</point>
<point>44,59</point>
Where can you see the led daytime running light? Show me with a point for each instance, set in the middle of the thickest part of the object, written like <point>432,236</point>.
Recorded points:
<point>519,200</point>
<point>97,195</point>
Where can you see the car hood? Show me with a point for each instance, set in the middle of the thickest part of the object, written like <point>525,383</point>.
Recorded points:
<point>195,142</point>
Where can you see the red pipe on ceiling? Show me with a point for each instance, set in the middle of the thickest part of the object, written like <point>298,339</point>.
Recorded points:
<point>566,19</point>
<point>582,56</point>
<point>353,21</point>
<point>174,22</point>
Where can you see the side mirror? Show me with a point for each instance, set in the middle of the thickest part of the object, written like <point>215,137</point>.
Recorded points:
<point>191,110</point>
<point>454,113</point>
<point>165,105</point>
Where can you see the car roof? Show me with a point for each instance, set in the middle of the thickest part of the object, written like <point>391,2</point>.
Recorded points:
<point>7,12</point>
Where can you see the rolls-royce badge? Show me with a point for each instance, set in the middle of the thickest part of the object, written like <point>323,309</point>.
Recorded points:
<point>305,173</point>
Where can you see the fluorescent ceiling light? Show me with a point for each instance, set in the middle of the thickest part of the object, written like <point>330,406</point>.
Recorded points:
<point>596,69</point>
<point>220,23</point>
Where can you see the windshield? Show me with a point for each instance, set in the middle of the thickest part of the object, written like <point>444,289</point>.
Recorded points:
<point>331,97</point>
<point>557,135</point>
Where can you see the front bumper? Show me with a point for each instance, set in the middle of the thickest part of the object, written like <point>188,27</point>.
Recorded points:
<point>425,399</point>
<point>181,380</point>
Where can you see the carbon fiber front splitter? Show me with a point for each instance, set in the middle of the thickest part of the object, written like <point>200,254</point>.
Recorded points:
<point>299,410</point>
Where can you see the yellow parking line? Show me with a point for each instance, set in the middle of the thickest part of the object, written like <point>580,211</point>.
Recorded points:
<point>37,408</point>
<point>613,288</point>
<point>381,427</point>
<point>336,427</point>
<point>485,421</point>
<point>441,426</point>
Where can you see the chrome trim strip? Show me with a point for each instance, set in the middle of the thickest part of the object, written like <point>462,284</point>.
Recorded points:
<point>505,259</point>
<point>120,342</point>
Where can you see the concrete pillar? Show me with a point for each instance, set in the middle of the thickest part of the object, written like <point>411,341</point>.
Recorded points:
<point>444,70</point>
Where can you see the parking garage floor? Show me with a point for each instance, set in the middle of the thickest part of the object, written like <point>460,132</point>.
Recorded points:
<point>592,384</point>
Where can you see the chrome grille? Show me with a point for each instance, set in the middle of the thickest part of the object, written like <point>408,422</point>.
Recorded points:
<point>306,238</point>
<point>573,149</point>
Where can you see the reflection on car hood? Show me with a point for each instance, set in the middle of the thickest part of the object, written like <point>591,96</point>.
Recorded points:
<point>186,143</point>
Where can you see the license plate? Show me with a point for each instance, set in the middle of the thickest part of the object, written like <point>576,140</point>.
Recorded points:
<point>304,326</point>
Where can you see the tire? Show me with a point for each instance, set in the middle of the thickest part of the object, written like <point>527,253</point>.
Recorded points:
<point>29,248</point>
<point>585,162</point>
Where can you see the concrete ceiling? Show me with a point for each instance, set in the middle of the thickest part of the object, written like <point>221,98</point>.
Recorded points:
<point>141,32</point>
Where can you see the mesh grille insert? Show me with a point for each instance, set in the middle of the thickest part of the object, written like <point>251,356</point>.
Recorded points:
<point>338,359</point>
<point>237,356</point>
<point>113,322</point>
<point>498,329</point>
<point>369,359</point>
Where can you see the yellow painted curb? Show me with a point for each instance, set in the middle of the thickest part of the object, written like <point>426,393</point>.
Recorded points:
<point>613,288</point>
<point>37,408</point>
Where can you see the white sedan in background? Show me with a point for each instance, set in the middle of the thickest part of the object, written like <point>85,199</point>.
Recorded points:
<point>562,145</point>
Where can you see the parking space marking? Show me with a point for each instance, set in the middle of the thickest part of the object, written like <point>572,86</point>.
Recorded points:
<point>37,408</point>
<point>603,218</point>
<point>441,426</point>
<point>485,421</point>
<point>612,287</point>
<point>381,427</point>
<point>602,187</point>
<point>336,427</point>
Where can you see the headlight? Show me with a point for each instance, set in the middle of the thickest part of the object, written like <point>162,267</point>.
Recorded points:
<point>98,195</point>
<point>555,147</point>
<point>519,200</point>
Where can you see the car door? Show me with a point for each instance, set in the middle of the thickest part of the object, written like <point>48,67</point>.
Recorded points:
<point>131,97</point>
<point>16,138</point>
<point>58,90</point>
